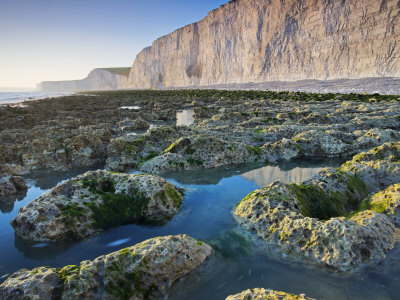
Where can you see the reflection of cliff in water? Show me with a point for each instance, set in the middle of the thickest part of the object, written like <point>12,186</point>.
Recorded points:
<point>209,176</point>
<point>261,175</point>
<point>287,173</point>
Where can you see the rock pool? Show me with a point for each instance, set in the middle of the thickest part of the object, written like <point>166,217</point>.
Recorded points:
<point>206,214</point>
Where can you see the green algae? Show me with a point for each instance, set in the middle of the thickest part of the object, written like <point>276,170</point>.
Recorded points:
<point>171,148</point>
<point>66,273</point>
<point>170,192</point>
<point>230,244</point>
<point>316,203</point>
<point>254,150</point>
<point>194,161</point>
<point>114,209</point>
<point>122,284</point>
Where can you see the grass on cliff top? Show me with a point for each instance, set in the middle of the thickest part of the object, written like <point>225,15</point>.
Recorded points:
<point>240,95</point>
<point>119,71</point>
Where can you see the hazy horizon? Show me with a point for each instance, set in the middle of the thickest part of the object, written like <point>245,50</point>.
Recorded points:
<point>47,40</point>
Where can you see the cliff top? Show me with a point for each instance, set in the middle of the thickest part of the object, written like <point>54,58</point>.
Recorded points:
<point>121,71</point>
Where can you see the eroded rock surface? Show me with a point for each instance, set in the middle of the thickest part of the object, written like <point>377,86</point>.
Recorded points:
<point>144,271</point>
<point>387,202</point>
<point>379,167</point>
<point>95,201</point>
<point>263,294</point>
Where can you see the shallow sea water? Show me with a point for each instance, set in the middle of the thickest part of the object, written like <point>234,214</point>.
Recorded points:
<point>205,214</point>
<point>18,97</point>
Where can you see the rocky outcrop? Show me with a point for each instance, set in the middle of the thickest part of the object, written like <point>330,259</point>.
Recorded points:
<point>201,151</point>
<point>387,202</point>
<point>122,152</point>
<point>144,271</point>
<point>378,168</point>
<point>11,185</point>
<point>98,79</point>
<point>263,294</point>
<point>93,202</point>
<point>312,220</point>
<point>257,41</point>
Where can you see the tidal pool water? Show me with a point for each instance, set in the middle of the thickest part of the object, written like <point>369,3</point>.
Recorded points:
<point>185,117</point>
<point>205,214</point>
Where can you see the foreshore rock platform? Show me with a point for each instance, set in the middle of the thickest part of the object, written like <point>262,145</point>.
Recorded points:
<point>144,271</point>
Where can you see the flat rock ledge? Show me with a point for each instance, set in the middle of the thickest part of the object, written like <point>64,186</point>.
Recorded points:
<point>329,220</point>
<point>11,185</point>
<point>93,202</point>
<point>144,271</point>
<point>263,294</point>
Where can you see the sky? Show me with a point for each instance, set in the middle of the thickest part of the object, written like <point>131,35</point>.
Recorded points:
<point>44,40</point>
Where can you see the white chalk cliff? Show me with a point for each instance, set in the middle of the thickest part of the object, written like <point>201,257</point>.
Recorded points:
<point>98,79</point>
<point>276,40</point>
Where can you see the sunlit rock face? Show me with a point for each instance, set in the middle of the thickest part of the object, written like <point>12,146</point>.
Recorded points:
<point>275,40</point>
<point>98,79</point>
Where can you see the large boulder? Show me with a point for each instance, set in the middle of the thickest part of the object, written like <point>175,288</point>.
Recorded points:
<point>263,294</point>
<point>144,271</point>
<point>300,220</point>
<point>93,202</point>
<point>329,219</point>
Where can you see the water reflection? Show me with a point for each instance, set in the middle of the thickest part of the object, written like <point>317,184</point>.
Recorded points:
<point>206,214</point>
<point>131,107</point>
<point>298,172</point>
<point>185,117</point>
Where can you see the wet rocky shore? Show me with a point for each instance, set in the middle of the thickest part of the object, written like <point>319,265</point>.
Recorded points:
<point>343,219</point>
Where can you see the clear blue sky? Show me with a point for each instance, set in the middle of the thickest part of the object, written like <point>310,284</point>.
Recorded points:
<point>65,39</point>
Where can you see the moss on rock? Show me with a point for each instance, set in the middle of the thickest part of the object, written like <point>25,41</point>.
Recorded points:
<point>316,203</point>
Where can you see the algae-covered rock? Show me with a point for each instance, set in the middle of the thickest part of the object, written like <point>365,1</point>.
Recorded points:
<point>202,151</point>
<point>321,144</point>
<point>387,202</point>
<point>122,152</point>
<point>263,294</point>
<point>378,168</point>
<point>329,219</point>
<point>289,216</point>
<point>144,271</point>
<point>93,202</point>
<point>345,186</point>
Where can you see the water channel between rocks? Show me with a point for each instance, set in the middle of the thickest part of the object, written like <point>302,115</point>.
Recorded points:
<point>205,214</point>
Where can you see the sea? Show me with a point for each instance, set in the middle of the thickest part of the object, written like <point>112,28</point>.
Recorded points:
<point>17,97</point>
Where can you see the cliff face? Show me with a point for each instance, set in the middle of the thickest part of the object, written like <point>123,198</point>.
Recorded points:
<point>276,40</point>
<point>98,79</point>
